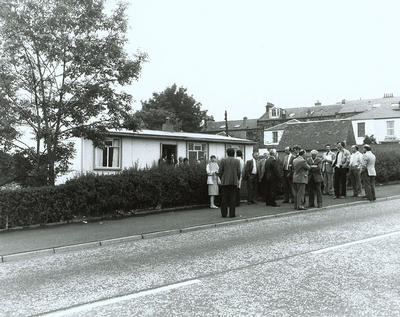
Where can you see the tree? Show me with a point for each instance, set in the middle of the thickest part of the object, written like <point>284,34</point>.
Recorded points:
<point>62,64</point>
<point>369,139</point>
<point>176,104</point>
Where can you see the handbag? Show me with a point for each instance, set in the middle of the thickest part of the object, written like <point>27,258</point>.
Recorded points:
<point>209,180</point>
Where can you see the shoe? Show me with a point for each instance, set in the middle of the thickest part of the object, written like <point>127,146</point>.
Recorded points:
<point>302,208</point>
<point>342,197</point>
<point>311,206</point>
<point>319,206</point>
<point>213,207</point>
<point>336,197</point>
<point>285,202</point>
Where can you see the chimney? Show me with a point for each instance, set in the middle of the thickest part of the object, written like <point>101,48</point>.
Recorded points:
<point>343,101</point>
<point>245,122</point>
<point>283,114</point>
<point>317,103</point>
<point>168,125</point>
<point>388,95</point>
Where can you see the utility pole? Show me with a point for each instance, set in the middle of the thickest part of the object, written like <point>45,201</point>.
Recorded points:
<point>226,123</point>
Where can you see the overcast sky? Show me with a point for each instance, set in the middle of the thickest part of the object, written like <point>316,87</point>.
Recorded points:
<point>237,55</point>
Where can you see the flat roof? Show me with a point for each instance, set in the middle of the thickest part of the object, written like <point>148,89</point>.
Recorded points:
<point>157,134</point>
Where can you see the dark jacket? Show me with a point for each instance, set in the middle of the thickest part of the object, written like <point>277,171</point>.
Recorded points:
<point>315,173</point>
<point>271,170</point>
<point>229,171</point>
<point>248,168</point>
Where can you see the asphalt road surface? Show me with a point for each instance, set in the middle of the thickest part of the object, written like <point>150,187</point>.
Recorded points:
<point>339,262</point>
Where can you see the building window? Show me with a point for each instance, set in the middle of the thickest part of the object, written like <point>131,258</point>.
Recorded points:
<point>274,112</point>
<point>197,151</point>
<point>275,137</point>
<point>361,129</point>
<point>390,128</point>
<point>109,156</point>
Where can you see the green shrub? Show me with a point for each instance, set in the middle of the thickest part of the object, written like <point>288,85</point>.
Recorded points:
<point>387,166</point>
<point>104,195</point>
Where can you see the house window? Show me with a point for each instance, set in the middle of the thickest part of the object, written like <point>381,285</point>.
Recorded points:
<point>361,129</point>
<point>275,137</point>
<point>274,112</point>
<point>197,151</point>
<point>390,128</point>
<point>109,156</point>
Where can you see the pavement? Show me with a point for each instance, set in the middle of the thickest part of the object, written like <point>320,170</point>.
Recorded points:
<point>51,239</point>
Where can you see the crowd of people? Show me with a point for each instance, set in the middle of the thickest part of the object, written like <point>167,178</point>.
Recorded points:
<point>265,175</point>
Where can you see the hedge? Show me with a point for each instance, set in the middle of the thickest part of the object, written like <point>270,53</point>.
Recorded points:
<point>94,195</point>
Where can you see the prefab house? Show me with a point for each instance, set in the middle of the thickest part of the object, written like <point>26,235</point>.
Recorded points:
<point>144,148</point>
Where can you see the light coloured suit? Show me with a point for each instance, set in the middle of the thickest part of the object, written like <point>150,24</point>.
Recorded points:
<point>300,179</point>
<point>368,174</point>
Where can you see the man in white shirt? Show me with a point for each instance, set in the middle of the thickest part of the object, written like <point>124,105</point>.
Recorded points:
<point>287,176</point>
<point>356,160</point>
<point>250,176</point>
<point>327,170</point>
<point>368,172</point>
<point>341,167</point>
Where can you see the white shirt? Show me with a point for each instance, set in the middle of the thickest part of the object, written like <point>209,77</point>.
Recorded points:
<point>356,159</point>
<point>254,170</point>
<point>339,159</point>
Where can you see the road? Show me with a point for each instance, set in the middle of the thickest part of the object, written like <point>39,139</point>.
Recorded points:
<point>338,262</point>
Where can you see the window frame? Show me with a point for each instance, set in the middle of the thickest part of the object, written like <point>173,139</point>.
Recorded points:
<point>390,129</point>
<point>275,133</point>
<point>206,150</point>
<point>107,168</point>
<point>358,129</point>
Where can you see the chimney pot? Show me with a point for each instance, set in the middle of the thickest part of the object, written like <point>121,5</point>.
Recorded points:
<point>343,101</point>
<point>317,103</point>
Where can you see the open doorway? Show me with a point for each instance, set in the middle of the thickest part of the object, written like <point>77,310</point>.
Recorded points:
<point>168,153</point>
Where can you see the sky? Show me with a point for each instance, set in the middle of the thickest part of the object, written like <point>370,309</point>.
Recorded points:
<point>238,55</point>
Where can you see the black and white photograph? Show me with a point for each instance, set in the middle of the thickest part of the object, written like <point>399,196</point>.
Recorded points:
<point>199,158</point>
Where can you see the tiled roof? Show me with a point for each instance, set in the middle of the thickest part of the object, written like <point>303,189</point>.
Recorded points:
<point>281,126</point>
<point>232,125</point>
<point>367,104</point>
<point>309,112</point>
<point>157,134</point>
<point>382,112</point>
<point>349,106</point>
<point>315,134</point>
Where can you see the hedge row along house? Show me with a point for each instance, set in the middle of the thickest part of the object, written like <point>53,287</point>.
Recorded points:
<point>378,117</point>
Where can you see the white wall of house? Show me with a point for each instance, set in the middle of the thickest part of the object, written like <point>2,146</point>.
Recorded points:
<point>269,137</point>
<point>217,149</point>
<point>377,127</point>
<point>143,152</point>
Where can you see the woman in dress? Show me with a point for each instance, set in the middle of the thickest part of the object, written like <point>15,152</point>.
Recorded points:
<point>212,180</point>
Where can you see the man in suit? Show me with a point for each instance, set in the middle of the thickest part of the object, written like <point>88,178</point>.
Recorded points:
<point>288,175</point>
<point>356,161</point>
<point>314,179</point>
<point>229,172</point>
<point>250,176</point>
<point>341,167</point>
<point>327,170</point>
<point>260,174</point>
<point>271,178</point>
<point>300,179</point>
<point>369,172</point>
